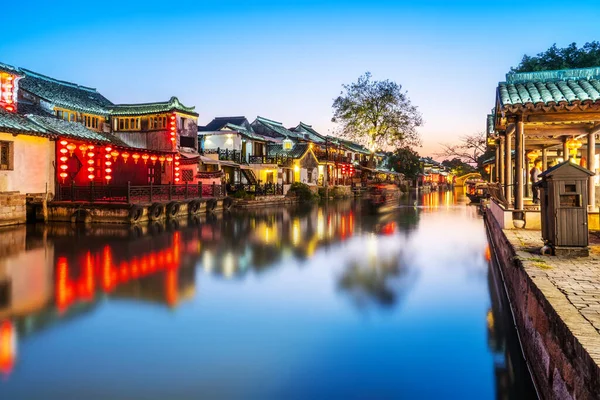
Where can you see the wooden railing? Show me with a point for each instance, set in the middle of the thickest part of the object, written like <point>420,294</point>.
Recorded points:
<point>138,194</point>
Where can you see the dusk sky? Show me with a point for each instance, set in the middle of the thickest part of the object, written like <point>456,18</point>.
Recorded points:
<point>287,60</point>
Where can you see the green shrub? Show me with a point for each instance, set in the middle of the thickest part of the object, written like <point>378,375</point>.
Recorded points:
<point>242,194</point>
<point>302,192</point>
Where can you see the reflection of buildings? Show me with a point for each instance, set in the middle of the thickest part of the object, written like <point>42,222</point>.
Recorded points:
<point>512,375</point>
<point>59,273</point>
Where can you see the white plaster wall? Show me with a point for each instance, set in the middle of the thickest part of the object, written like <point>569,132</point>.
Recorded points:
<point>234,142</point>
<point>33,157</point>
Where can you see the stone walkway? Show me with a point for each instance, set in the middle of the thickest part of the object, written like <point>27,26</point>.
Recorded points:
<point>577,278</point>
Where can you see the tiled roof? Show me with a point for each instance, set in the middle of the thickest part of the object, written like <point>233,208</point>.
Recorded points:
<point>490,128</point>
<point>297,151</point>
<point>151,108</point>
<point>15,123</point>
<point>354,146</point>
<point>64,128</point>
<point>543,88</point>
<point>309,133</point>
<point>9,69</point>
<point>245,131</point>
<point>219,122</point>
<point>64,94</point>
<point>268,127</point>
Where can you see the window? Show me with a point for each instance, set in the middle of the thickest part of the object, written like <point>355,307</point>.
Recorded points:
<point>187,175</point>
<point>6,155</point>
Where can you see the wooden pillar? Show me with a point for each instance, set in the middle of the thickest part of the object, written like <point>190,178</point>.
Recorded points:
<point>544,159</point>
<point>565,149</point>
<point>492,167</point>
<point>519,158</point>
<point>508,168</point>
<point>501,160</point>
<point>497,164</point>
<point>591,164</point>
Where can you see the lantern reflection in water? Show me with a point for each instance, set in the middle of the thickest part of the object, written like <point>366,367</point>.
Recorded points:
<point>8,347</point>
<point>103,266</point>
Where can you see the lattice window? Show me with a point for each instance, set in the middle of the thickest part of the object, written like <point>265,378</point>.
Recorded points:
<point>6,155</point>
<point>187,175</point>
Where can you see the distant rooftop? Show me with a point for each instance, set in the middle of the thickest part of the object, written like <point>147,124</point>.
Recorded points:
<point>173,104</point>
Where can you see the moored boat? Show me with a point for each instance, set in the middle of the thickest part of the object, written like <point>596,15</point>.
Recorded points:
<point>477,190</point>
<point>383,198</point>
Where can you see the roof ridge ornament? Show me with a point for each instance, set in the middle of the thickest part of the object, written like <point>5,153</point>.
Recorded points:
<point>552,75</point>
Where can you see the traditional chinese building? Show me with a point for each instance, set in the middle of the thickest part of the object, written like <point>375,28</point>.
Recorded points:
<point>550,116</point>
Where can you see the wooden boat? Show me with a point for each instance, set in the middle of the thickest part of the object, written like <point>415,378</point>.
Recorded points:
<point>383,198</point>
<point>477,190</point>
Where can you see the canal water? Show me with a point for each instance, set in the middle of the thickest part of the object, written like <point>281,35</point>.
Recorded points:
<point>292,303</point>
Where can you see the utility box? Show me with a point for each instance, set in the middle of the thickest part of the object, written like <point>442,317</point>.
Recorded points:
<point>564,198</point>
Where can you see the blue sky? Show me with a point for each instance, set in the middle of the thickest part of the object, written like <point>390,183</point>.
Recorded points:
<point>287,60</point>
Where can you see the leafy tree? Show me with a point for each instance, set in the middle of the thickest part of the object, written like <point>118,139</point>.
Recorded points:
<point>377,114</point>
<point>458,166</point>
<point>562,58</point>
<point>469,148</point>
<point>406,161</point>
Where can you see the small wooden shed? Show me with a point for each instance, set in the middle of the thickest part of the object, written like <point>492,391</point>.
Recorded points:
<point>564,200</point>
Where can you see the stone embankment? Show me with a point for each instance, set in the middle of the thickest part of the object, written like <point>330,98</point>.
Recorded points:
<point>13,208</point>
<point>556,306</point>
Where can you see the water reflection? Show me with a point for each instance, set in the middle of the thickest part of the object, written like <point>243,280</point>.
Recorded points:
<point>211,279</point>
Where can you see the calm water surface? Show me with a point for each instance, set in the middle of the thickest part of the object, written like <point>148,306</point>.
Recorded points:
<point>307,303</point>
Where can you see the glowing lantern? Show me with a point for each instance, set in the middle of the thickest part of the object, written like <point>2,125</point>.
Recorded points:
<point>83,148</point>
<point>64,151</point>
<point>153,159</point>
<point>114,155</point>
<point>161,159</point>
<point>71,147</point>
<point>108,177</point>
<point>107,163</point>
<point>91,177</point>
<point>145,157</point>
<point>573,145</point>
<point>63,175</point>
<point>90,162</point>
<point>169,159</point>
<point>177,157</point>
<point>90,169</point>
<point>91,147</point>
<point>63,142</point>
<point>90,154</point>
<point>108,149</point>
<point>63,159</point>
<point>108,170</point>
<point>125,157</point>
<point>64,167</point>
<point>135,157</point>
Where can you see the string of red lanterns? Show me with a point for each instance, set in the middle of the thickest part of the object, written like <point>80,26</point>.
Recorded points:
<point>7,92</point>
<point>176,163</point>
<point>63,160</point>
<point>173,128</point>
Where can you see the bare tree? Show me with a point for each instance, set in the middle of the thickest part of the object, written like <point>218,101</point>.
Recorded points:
<point>469,148</point>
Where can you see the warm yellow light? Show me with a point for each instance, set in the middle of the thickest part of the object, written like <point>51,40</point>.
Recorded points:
<point>296,168</point>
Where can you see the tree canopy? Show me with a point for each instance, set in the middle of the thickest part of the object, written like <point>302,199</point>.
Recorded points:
<point>562,58</point>
<point>458,166</point>
<point>406,161</point>
<point>377,114</point>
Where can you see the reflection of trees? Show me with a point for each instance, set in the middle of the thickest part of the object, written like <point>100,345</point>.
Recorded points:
<point>380,277</point>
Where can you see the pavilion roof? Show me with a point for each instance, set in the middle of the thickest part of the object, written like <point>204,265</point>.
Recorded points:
<point>549,88</point>
<point>173,104</point>
<point>64,94</point>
